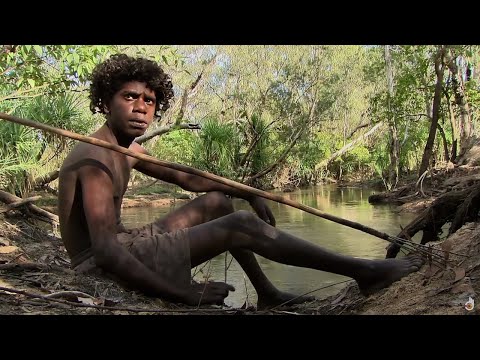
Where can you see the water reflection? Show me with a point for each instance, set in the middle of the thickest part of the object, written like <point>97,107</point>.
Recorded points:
<point>347,203</point>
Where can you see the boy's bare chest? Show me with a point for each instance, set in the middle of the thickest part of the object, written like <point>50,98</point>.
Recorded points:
<point>121,176</point>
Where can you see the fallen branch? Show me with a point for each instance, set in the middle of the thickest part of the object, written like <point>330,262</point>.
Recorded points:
<point>111,308</point>
<point>33,266</point>
<point>47,178</point>
<point>17,204</point>
<point>166,129</point>
<point>41,214</point>
<point>69,294</point>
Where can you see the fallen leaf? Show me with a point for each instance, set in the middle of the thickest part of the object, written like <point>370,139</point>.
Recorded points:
<point>446,245</point>
<point>463,288</point>
<point>8,249</point>
<point>459,274</point>
<point>86,300</point>
<point>431,271</point>
<point>99,302</point>
<point>4,242</point>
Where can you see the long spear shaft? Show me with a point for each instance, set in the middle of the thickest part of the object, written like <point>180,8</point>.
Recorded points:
<point>201,173</point>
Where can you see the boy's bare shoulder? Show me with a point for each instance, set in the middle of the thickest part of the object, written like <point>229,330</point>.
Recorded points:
<point>86,154</point>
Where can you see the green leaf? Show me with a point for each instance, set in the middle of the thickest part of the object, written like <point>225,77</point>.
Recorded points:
<point>76,57</point>
<point>31,82</point>
<point>38,50</point>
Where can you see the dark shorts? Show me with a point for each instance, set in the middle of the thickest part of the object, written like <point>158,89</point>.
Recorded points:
<point>167,254</point>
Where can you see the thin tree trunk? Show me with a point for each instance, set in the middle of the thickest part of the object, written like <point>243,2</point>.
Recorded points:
<point>280,159</point>
<point>465,123</point>
<point>394,150</point>
<point>189,91</point>
<point>445,144</point>
<point>453,124</point>
<point>292,144</point>
<point>439,70</point>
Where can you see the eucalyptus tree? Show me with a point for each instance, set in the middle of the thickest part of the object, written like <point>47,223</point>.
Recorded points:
<point>279,98</point>
<point>462,95</point>
<point>277,93</point>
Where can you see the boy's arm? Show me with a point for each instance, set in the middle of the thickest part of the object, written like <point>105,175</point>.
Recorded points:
<point>195,183</point>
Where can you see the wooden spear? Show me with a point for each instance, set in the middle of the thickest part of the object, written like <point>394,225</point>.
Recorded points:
<point>201,173</point>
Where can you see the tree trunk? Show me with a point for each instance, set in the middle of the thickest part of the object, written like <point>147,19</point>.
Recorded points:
<point>445,144</point>
<point>187,94</point>
<point>394,144</point>
<point>465,123</point>
<point>453,124</point>
<point>439,70</point>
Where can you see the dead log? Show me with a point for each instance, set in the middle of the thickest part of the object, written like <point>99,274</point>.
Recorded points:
<point>390,197</point>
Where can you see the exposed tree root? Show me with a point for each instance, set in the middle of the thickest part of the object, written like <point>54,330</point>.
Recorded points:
<point>457,207</point>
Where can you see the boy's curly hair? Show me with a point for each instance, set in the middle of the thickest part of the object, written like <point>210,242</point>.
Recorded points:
<point>108,77</point>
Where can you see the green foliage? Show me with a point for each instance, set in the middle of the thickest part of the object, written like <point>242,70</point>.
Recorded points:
<point>23,147</point>
<point>217,148</point>
<point>257,130</point>
<point>175,146</point>
<point>55,66</point>
<point>262,95</point>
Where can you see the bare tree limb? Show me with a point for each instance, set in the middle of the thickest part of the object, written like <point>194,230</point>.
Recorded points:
<point>41,214</point>
<point>103,307</point>
<point>350,145</point>
<point>165,129</point>
<point>22,202</point>
<point>45,179</point>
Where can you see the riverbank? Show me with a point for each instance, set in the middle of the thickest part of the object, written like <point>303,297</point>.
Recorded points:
<point>34,261</point>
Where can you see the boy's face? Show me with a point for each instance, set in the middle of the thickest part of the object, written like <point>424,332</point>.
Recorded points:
<point>132,109</point>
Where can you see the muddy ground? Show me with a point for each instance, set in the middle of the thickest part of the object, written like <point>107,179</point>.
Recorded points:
<point>34,266</point>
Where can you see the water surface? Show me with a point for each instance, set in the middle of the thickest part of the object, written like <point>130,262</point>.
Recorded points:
<point>347,203</point>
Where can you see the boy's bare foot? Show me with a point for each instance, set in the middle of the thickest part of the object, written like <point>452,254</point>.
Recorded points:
<point>386,272</point>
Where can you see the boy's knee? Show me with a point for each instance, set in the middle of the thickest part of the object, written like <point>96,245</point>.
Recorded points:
<point>218,200</point>
<point>245,217</point>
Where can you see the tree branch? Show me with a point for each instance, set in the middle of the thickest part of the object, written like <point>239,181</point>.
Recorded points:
<point>165,129</point>
<point>43,215</point>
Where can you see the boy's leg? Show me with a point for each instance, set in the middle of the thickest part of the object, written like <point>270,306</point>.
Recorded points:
<point>243,230</point>
<point>210,207</point>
